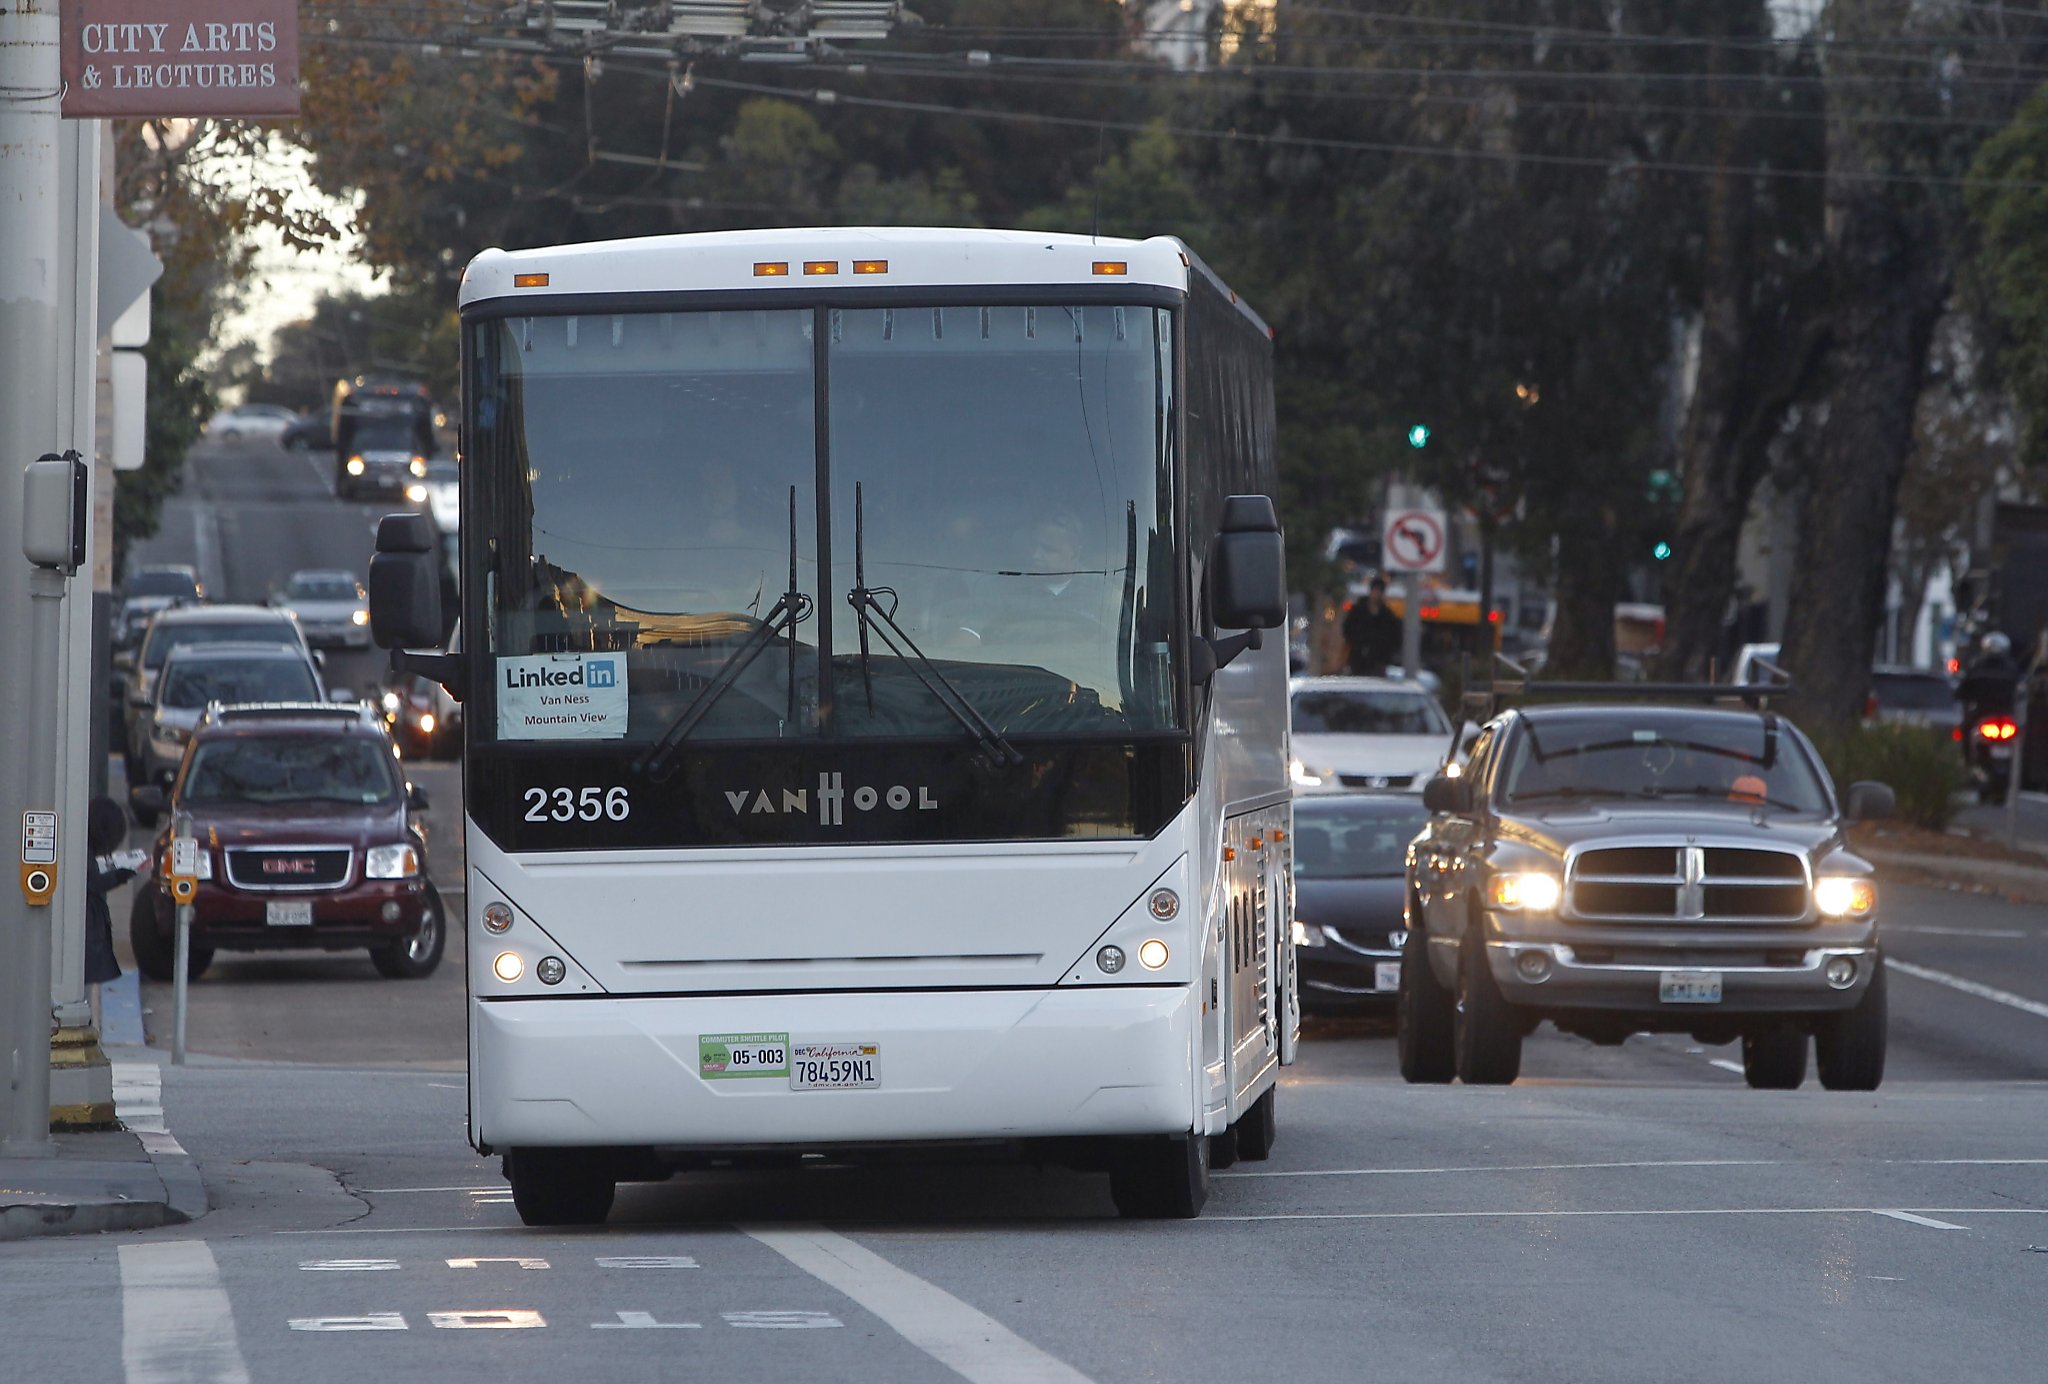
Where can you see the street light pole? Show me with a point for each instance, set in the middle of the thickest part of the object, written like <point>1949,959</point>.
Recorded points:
<point>31,89</point>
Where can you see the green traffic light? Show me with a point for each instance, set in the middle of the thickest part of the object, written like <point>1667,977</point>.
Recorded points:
<point>1418,436</point>
<point>1661,551</point>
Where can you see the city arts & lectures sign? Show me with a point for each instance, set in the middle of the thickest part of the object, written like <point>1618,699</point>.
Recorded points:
<point>159,58</point>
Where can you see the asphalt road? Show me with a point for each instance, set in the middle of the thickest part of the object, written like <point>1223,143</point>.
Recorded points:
<point>1619,1214</point>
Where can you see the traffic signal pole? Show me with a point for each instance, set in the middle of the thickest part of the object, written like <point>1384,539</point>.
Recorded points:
<point>31,88</point>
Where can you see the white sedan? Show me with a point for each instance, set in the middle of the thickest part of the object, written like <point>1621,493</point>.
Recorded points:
<point>267,421</point>
<point>1366,735</point>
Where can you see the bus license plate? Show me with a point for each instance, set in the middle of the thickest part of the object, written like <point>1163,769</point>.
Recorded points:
<point>833,1066</point>
<point>1690,987</point>
<point>288,913</point>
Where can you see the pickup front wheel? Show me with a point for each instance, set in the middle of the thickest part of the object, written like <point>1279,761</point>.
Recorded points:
<point>1423,1018</point>
<point>1487,1035</point>
<point>1849,1047</point>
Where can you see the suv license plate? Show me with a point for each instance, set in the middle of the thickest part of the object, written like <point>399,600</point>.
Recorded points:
<point>288,913</point>
<point>1689,987</point>
<point>833,1066</point>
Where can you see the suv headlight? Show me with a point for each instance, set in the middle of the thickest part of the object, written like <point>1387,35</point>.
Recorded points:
<point>391,862</point>
<point>1844,896</point>
<point>1530,891</point>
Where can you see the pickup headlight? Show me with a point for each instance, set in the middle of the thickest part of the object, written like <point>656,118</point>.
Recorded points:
<point>1527,891</point>
<point>391,862</point>
<point>1843,896</point>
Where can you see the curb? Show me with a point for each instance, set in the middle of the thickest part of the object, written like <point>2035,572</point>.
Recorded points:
<point>23,1222</point>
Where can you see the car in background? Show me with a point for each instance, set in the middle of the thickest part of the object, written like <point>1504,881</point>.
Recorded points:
<point>197,675</point>
<point>330,606</point>
<point>149,589</point>
<point>1644,869</point>
<point>1353,734</point>
<point>439,493</point>
<point>266,421</point>
<point>309,836</point>
<point>384,457</point>
<point>179,626</point>
<point>309,431</point>
<point>1903,696</point>
<point>1350,893</point>
<point>424,721</point>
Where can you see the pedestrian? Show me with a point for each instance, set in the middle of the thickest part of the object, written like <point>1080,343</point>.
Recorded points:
<point>106,828</point>
<point>1372,632</point>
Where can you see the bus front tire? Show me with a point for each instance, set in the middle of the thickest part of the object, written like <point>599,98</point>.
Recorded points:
<point>1161,1178</point>
<point>561,1186</point>
<point>1256,1128</point>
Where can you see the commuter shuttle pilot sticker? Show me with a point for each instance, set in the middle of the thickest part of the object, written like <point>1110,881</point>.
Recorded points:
<point>562,697</point>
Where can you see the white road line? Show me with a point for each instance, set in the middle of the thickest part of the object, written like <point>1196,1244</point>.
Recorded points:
<point>1937,930</point>
<point>1670,1211</point>
<point>1969,987</point>
<point>395,1191</point>
<point>206,547</point>
<point>139,1100</point>
<point>1725,1065</point>
<point>1927,1221</point>
<point>1518,1168</point>
<point>176,1322</point>
<point>965,1340</point>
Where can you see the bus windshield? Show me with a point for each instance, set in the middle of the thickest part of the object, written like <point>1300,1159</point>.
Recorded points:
<point>997,509</point>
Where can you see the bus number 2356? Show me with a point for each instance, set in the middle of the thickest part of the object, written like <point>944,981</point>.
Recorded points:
<point>577,804</point>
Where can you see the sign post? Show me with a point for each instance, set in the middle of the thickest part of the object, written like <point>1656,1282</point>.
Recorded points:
<point>1412,542</point>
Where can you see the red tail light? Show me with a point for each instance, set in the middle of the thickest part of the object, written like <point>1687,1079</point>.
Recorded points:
<point>1957,734</point>
<point>1998,728</point>
<point>1870,707</point>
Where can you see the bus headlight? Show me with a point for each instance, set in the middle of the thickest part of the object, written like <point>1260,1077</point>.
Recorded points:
<point>1530,891</point>
<point>508,967</point>
<point>1152,953</point>
<point>1841,896</point>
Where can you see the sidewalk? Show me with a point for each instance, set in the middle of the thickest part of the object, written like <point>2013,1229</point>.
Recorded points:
<point>134,1178</point>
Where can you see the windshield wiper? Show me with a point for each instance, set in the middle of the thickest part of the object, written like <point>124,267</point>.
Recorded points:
<point>1730,796</point>
<point>868,608</point>
<point>791,609</point>
<point>1542,793</point>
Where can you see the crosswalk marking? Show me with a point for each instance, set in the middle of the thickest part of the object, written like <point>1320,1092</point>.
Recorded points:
<point>138,1098</point>
<point>176,1321</point>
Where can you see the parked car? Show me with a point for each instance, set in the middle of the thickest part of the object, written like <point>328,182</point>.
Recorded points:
<point>308,837</point>
<point>1350,891</point>
<point>423,719</point>
<point>1906,696</point>
<point>250,420</point>
<point>1354,733</point>
<point>330,606</point>
<point>310,431</point>
<point>1620,870</point>
<point>170,629</point>
<point>195,675</point>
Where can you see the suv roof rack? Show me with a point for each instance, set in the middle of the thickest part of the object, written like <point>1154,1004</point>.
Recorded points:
<point>218,713</point>
<point>1487,701</point>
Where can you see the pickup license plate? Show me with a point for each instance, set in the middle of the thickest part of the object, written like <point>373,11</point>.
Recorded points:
<point>1386,976</point>
<point>1689,987</point>
<point>288,913</point>
<point>833,1066</point>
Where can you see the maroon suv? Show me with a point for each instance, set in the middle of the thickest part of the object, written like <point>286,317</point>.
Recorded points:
<point>308,838</point>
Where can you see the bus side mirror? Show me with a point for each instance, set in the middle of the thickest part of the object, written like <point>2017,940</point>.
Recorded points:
<point>405,584</point>
<point>1247,580</point>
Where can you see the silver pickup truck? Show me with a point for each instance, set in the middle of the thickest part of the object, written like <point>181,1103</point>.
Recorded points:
<point>1632,869</point>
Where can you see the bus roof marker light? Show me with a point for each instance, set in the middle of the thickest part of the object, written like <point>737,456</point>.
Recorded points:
<point>529,281</point>
<point>771,269</point>
<point>1112,267</point>
<point>871,266</point>
<point>821,266</point>
<point>508,967</point>
<point>1152,953</point>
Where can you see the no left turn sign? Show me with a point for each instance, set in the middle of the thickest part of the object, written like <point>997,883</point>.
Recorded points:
<point>1413,540</point>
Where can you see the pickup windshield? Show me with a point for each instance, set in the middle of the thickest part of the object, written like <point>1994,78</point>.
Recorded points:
<point>650,487</point>
<point>1654,754</point>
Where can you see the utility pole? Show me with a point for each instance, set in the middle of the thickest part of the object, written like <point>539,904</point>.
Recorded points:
<point>31,89</point>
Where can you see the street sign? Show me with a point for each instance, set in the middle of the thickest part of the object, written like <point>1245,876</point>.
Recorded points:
<point>1413,540</point>
<point>158,58</point>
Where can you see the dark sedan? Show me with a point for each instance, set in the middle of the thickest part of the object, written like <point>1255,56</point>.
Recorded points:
<point>1350,863</point>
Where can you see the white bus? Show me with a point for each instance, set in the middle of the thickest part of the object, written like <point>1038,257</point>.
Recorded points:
<point>868,739</point>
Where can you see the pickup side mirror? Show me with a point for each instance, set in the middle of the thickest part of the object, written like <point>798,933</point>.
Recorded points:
<point>1871,802</point>
<point>416,797</point>
<point>405,584</point>
<point>1446,794</point>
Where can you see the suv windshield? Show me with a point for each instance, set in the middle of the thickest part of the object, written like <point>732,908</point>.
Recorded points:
<point>193,683</point>
<point>165,638</point>
<point>290,768</point>
<point>384,435</point>
<point>1625,754</point>
<point>1356,711</point>
<point>161,583</point>
<point>999,515</point>
<point>1366,839</point>
<point>321,589</point>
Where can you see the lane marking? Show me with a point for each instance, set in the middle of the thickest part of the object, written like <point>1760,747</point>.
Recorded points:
<point>369,1321</point>
<point>1725,1064</point>
<point>1521,1168</point>
<point>1970,987</point>
<point>176,1321</point>
<point>347,1265</point>
<point>1938,930</point>
<point>789,1321</point>
<point>642,1321</point>
<point>488,1319</point>
<point>646,1261</point>
<point>396,1191</point>
<point>1927,1221</point>
<point>1674,1211</point>
<point>517,1261</point>
<point>965,1340</point>
<point>139,1101</point>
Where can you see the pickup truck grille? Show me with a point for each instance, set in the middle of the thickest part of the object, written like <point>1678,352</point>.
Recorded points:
<point>1677,883</point>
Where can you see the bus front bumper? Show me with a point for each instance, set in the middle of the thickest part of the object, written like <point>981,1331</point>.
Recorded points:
<point>1004,1064</point>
